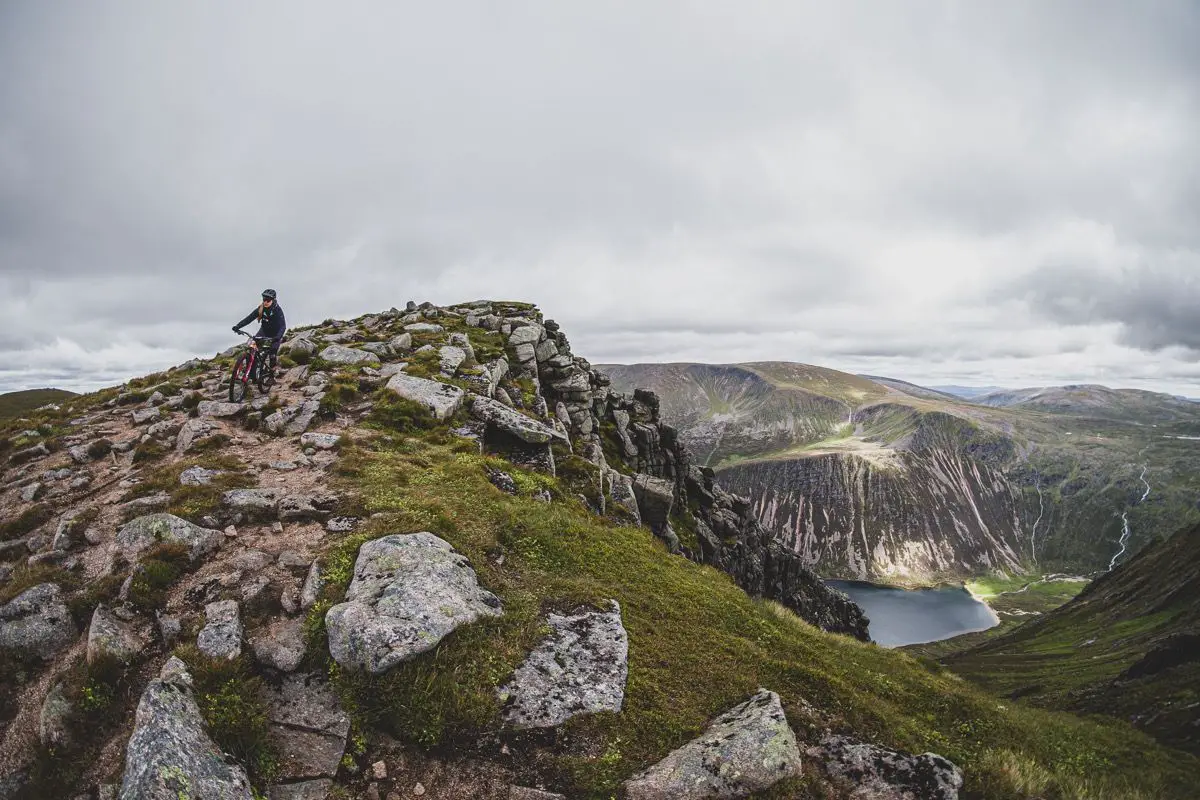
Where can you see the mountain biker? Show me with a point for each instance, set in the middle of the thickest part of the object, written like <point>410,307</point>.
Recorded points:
<point>271,324</point>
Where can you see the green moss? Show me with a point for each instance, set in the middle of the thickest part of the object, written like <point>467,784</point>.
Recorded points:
<point>26,577</point>
<point>230,697</point>
<point>393,413</point>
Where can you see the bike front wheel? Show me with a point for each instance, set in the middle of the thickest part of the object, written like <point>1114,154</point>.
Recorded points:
<point>266,374</point>
<point>239,378</point>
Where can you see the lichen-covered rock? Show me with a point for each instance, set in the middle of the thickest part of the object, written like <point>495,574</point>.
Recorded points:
<point>308,726</point>
<point>219,409</point>
<point>579,669</point>
<point>655,499</point>
<point>440,398</point>
<point>143,416</point>
<point>401,343</point>
<point>140,533</point>
<point>193,431</point>
<point>877,773</point>
<point>197,476</point>
<point>304,790</point>
<point>221,636</point>
<point>339,354</point>
<point>252,504</point>
<point>423,327</point>
<point>450,358</point>
<point>110,638</point>
<point>54,721</point>
<point>36,622</point>
<point>280,645</point>
<point>313,584</point>
<point>170,754</point>
<point>513,422</point>
<point>748,749</point>
<point>408,592</point>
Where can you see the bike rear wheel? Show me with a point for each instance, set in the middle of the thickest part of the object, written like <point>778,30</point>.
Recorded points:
<point>239,378</point>
<point>266,373</point>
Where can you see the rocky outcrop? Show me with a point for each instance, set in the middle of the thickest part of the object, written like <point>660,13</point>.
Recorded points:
<point>407,593</point>
<point>580,668</point>
<point>876,773</point>
<point>748,749</point>
<point>36,623</point>
<point>170,754</point>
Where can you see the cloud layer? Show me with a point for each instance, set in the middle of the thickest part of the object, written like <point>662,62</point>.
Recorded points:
<point>997,193</point>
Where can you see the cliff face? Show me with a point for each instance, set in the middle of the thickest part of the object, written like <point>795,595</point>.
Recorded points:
<point>914,517</point>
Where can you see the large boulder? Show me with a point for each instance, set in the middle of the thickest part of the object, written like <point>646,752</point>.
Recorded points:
<point>145,531</point>
<point>408,592</point>
<point>451,358</point>
<point>339,354</point>
<point>513,422</point>
<point>748,749</point>
<point>36,622</point>
<point>580,668</point>
<point>440,398</point>
<point>877,773</point>
<point>110,638</point>
<point>655,499</point>
<point>170,754</point>
<point>221,636</point>
<point>219,409</point>
<point>280,645</point>
<point>192,432</point>
<point>308,726</point>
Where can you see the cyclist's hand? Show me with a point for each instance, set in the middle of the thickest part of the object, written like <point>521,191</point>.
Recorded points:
<point>236,329</point>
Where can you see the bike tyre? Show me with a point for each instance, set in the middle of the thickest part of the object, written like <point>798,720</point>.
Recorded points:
<point>266,374</point>
<point>238,378</point>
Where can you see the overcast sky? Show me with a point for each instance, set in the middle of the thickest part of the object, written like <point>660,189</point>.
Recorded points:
<point>970,192</point>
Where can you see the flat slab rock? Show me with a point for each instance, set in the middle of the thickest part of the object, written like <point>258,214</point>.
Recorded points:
<point>339,354</point>
<point>440,398</point>
<point>407,594</point>
<point>141,533</point>
<point>308,725</point>
<point>747,749</point>
<point>580,668</point>
<point>170,754</point>
<point>514,422</point>
<point>221,636</point>
<point>877,773</point>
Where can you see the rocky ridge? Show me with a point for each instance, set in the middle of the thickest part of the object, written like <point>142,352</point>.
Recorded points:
<point>221,580</point>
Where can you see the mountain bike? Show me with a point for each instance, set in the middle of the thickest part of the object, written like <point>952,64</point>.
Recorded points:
<point>252,365</point>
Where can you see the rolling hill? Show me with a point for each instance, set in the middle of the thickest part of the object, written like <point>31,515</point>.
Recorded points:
<point>14,404</point>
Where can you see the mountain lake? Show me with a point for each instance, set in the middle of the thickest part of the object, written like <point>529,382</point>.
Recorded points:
<point>902,616</point>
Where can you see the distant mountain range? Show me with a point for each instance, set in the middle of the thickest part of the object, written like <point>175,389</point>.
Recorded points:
<point>877,478</point>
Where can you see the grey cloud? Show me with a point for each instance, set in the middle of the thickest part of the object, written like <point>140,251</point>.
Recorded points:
<point>855,182</point>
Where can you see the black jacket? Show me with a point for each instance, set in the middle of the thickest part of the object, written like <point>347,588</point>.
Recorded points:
<point>272,323</point>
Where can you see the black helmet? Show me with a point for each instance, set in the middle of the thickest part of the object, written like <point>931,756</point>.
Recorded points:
<point>268,294</point>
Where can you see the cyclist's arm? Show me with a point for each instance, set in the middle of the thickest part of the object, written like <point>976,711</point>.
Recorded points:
<point>249,318</point>
<point>282,326</point>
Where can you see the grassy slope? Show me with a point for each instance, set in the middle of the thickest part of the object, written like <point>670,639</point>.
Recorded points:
<point>697,646</point>
<point>14,404</point>
<point>1073,657</point>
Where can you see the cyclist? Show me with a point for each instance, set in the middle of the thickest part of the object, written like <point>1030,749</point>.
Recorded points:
<point>271,324</point>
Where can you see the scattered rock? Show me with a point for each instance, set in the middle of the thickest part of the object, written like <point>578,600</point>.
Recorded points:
<point>440,398</point>
<point>145,531</point>
<point>876,773</point>
<point>579,669</point>
<point>341,524</point>
<point>30,492</point>
<point>197,476</point>
<point>280,645</point>
<point>423,327</point>
<point>79,454</point>
<point>304,790</point>
<point>748,749</point>
<point>169,628</point>
<point>36,622</point>
<point>252,561</point>
<point>219,409</point>
<point>339,354</point>
<point>408,592</point>
<point>191,765</point>
<point>163,430</point>
<point>110,638</point>
<point>221,637</point>
<point>143,416</point>
<point>321,441</point>
<point>192,432</point>
<point>252,504</point>
<point>299,507</point>
<point>313,584</point>
<point>37,451</point>
<point>451,358</point>
<point>401,343</point>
